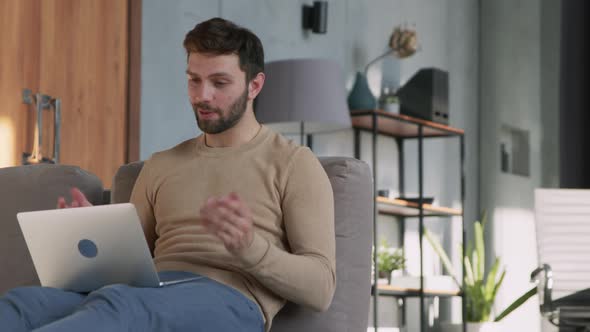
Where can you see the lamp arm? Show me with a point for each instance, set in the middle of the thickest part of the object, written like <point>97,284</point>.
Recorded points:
<point>377,59</point>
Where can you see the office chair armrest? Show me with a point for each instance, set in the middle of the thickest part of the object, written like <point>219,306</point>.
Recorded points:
<point>547,284</point>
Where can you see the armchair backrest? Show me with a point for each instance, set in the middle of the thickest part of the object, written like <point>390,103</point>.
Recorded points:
<point>32,188</point>
<point>351,181</point>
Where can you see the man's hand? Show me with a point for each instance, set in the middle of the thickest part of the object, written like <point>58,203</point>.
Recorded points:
<point>78,200</point>
<point>230,219</point>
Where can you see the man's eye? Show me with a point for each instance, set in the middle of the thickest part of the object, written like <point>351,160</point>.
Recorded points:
<point>220,84</point>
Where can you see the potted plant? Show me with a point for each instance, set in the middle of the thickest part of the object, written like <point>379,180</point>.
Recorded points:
<point>479,288</point>
<point>388,260</point>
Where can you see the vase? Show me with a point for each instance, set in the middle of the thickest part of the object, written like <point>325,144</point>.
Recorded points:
<point>361,97</point>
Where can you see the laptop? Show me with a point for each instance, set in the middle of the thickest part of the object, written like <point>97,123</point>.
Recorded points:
<point>83,249</point>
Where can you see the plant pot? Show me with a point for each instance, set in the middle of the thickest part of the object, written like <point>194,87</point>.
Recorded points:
<point>385,275</point>
<point>471,327</point>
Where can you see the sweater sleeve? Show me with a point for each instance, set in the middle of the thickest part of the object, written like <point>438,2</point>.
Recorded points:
<point>306,275</point>
<point>142,198</point>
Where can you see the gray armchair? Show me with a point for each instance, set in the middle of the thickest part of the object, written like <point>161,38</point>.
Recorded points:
<point>31,188</point>
<point>352,185</point>
<point>37,187</point>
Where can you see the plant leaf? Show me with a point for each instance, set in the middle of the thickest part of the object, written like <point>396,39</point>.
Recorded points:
<point>442,255</point>
<point>480,249</point>
<point>484,219</point>
<point>517,303</point>
<point>475,265</point>
<point>498,284</point>
<point>491,280</point>
<point>469,280</point>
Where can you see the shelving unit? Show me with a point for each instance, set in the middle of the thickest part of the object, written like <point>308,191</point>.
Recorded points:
<point>403,127</point>
<point>401,208</point>
<point>412,292</point>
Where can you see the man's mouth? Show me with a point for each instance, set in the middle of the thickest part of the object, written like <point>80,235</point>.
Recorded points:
<point>206,114</point>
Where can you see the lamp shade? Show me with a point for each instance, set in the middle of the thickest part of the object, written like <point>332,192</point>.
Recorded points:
<point>303,91</point>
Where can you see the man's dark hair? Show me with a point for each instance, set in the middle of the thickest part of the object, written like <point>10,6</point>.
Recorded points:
<point>221,37</point>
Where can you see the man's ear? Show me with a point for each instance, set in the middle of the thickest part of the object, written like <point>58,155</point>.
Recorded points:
<point>255,85</point>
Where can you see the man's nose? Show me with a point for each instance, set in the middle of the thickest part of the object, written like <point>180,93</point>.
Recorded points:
<point>203,93</point>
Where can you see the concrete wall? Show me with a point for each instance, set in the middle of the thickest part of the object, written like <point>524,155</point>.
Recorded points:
<point>519,90</point>
<point>357,32</point>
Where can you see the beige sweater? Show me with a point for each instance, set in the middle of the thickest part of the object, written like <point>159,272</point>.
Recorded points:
<point>292,256</point>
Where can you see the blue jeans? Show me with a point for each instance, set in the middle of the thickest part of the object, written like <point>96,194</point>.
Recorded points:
<point>200,305</point>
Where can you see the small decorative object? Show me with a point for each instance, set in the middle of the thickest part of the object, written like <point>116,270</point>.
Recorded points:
<point>389,101</point>
<point>389,259</point>
<point>388,193</point>
<point>402,43</point>
<point>383,193</point>
<point>480,290</point>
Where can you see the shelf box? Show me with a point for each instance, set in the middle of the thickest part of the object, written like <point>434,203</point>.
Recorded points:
<point>398,207</point>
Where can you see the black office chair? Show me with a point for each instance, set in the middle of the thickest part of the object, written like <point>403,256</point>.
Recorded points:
<point>570,313</point>
<point>562,218</point>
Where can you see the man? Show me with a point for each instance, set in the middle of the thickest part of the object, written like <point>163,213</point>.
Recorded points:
<point>249,211</point>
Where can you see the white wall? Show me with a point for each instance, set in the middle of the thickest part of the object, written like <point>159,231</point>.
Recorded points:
<point>357,32</point>
<point>166,115</point>
<point>519,88</point>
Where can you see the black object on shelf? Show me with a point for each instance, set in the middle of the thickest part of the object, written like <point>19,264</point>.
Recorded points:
<point>426,95</point>
<point>425,200</point>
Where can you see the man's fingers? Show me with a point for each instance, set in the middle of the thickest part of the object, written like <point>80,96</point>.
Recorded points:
<point>235,205</point>
<point>219,228</point>
<point>224,219</point>
<point>61,203</point>
<point>229,216</point>
<point>232,230</point>
<point>227,239</point>
<point>229,219</point>
<point>78,196</point>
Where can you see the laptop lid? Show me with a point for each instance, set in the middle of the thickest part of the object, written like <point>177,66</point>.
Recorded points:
<point>83,249</point>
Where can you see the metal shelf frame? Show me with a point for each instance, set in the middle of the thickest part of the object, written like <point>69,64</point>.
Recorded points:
<point>401,128</point>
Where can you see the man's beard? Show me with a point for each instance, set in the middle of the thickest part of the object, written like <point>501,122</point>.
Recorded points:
<point>223,123</point>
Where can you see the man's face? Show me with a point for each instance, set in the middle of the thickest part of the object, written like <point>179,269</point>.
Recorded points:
<point>217,91</point>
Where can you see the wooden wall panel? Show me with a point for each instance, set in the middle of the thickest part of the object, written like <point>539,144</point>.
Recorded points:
<point>134,86</point>
<point>83,56</point>
<point>19,68</point>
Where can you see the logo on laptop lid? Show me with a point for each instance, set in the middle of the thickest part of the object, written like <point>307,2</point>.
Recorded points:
<point>87,248</point>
